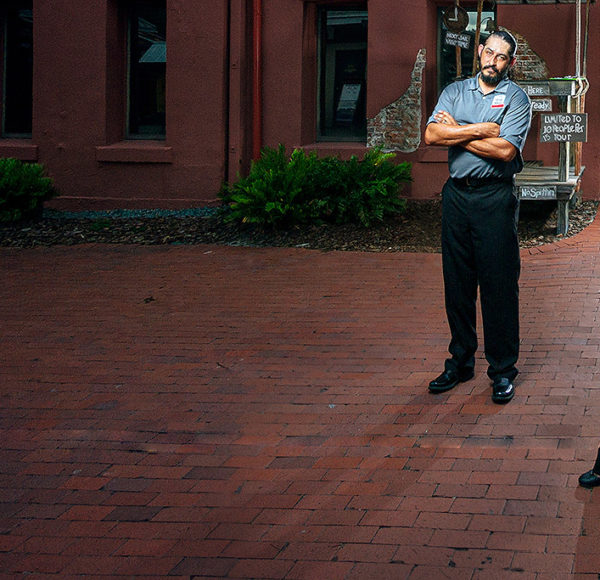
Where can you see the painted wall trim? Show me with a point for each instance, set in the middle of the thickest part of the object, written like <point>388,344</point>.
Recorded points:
<point>126,152</point>
<point>21,149</point>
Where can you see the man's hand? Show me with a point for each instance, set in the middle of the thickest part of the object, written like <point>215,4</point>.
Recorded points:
<point>445,118</point>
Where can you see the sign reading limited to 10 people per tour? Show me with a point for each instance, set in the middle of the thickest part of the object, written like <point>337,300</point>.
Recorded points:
<point>563,127</point>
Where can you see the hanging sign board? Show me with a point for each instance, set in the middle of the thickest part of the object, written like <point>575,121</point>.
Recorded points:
<point>541,105</point>
<point>456,18</point>
<point>457,39</point>
<point>538,192</point>
<point>565,87</point>
<point>563,127</point>
<point>539,89</point>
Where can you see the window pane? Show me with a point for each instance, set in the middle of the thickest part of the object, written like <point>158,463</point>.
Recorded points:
<point>147,69</point>
<point>447,61</point>
<point>343,75</point>
<point>18,71</point>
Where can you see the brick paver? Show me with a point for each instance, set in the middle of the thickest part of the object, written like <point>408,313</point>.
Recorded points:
<point>263,413</point>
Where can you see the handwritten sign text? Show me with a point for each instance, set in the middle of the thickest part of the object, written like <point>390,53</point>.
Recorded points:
<point>563,127</point>
<point>538,192</point>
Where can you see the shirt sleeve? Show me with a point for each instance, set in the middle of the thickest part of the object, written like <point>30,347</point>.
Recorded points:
<point>445,103</point>
<point>516,122</point>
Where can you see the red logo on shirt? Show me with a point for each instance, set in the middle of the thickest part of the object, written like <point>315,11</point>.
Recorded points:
<point>498,102</point>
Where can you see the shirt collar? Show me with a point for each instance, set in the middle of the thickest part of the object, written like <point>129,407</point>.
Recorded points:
<point>501,87</point>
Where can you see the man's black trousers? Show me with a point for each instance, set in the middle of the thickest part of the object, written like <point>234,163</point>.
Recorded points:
<point>480,247</point>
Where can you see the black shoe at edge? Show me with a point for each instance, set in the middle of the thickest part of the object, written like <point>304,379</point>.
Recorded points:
<point>449,379</point>
<point>589,479</point>
<point>503,390</point>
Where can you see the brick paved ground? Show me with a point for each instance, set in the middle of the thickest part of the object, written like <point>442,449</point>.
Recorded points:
<point>263,413</point>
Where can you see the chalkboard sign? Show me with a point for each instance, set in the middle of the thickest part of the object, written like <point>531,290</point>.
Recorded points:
<point>564,87</point>
<point>456,39</point>
<point>563,127</point>
<point>541,105</point>
<point>539,89</point>
<point>538,192</point>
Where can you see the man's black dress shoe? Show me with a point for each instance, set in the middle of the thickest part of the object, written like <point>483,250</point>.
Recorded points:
<point>449,379</point>
<point>503,391</point>
<point>589,479</point>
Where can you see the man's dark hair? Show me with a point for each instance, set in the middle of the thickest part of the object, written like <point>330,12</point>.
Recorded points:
<point>508,38</point>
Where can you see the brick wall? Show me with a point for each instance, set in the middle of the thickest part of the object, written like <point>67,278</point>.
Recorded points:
<point>529,66</point>
<point>397,127</point>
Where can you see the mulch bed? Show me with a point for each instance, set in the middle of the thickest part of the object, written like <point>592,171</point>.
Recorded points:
<point>416,230</point>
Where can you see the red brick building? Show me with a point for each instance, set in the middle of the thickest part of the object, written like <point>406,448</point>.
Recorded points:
<point>154,103</point>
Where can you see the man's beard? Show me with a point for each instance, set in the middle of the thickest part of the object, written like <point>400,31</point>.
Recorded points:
<point>493,81</point>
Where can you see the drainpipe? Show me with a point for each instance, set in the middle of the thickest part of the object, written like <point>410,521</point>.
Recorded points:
<point>257,79</point>
<point>227,92</point>
<point>578,42</point>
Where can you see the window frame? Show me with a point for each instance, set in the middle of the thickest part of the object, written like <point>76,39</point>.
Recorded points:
<point>5,81</point>
<point>323,134</point>
<point>131,28</point>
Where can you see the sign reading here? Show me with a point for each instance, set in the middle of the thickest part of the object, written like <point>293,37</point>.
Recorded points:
<point>538,192</point>
<point>563,127</point>
<point>456,39</point>
<point>536,90</point>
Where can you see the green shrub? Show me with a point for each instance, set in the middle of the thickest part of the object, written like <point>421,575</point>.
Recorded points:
<point>23,189</point>
<point>303,188</point>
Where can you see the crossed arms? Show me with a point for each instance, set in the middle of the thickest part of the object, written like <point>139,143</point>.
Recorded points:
<point>479,138</point>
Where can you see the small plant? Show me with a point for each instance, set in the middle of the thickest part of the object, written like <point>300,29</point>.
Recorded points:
<point>23,189</point>
<point>303,188</point>
<point>370,188</point>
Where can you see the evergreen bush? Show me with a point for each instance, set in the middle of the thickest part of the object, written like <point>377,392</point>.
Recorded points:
<point>23,189</point>
<point>302,188</point>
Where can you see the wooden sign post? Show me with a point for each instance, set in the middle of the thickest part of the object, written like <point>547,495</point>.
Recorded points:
<point>477,35</point>
<point>456,20</point>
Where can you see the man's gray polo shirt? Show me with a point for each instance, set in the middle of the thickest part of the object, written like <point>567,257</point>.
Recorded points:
<point>507,105</point>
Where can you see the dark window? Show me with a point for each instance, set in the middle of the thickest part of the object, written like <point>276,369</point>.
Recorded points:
<point>342,74</point>
<point>450,56</point>
<point>147,69</point>
<point>17,80</point>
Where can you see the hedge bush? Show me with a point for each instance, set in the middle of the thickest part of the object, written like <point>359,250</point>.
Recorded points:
<point>23,189</point>
<point>302,188</point>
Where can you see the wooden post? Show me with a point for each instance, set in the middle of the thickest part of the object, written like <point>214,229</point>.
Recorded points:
<point>477,34</point>
<point>581,97</point>
<point>458,52</point>
<point>562,211</point>
<point>563,157</point>
<point>562,217</point>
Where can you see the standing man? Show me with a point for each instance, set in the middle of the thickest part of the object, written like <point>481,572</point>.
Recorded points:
<point>484,122</point>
